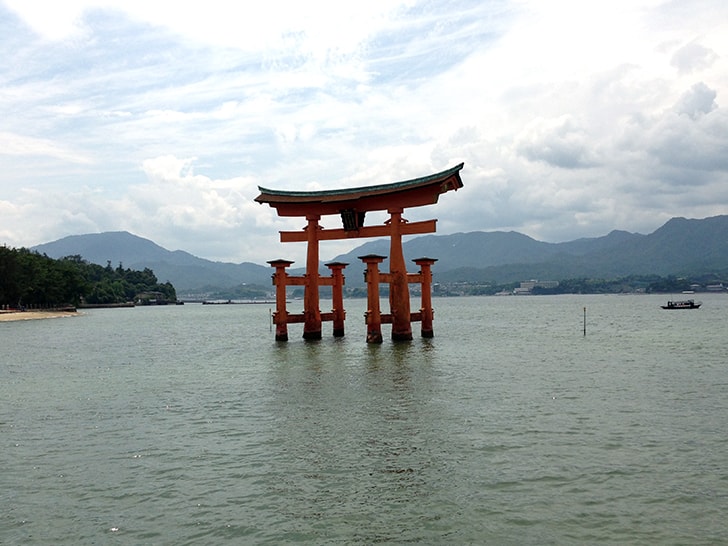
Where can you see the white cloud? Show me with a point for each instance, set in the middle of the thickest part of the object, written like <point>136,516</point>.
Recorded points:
<point>560,142</point>
<point>263,26</point>
<point>700,100</point>
<point>20,145</point>
<point>693,57</point>
<point>572,118</point>
<point>53,20</point>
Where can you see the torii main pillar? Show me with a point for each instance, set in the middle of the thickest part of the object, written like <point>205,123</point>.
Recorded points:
<point>352,205</point>
<point>311,311</point>
<point>399,302</point>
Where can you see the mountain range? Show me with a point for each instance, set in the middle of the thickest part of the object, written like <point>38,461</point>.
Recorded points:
<point>185,271</point>
<point>680,247</point>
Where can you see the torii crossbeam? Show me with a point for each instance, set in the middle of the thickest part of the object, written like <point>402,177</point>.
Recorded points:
<point>352,205</point>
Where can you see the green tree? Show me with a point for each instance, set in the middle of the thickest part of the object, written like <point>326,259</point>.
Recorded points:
<point>29,278</point>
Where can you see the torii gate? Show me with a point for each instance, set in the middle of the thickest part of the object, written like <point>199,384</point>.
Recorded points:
<point>352,205</point>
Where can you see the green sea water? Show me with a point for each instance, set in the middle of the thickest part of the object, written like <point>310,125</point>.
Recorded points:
<point>191,425</point>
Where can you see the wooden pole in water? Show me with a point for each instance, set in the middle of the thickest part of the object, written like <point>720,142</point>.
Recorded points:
<point>585,321</point>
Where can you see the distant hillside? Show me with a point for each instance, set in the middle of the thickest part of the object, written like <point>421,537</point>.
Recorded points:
<point>185,271</point>
<point>479,250</point>
<point>680,247</point>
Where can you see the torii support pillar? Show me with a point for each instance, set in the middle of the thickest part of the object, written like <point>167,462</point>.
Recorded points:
<point>337,296</point>
<point>426,312</point>
<point>280,317</point>
<point>373,316</point>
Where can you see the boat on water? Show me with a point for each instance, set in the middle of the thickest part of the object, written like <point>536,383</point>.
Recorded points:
<point>683,304</point>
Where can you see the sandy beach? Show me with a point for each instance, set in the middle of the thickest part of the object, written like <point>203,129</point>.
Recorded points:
<point>7,316</point>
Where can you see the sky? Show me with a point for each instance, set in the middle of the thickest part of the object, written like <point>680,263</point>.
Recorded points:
<point>573,118</point>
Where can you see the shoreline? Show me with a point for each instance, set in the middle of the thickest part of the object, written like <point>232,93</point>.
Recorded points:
<point>12,316</point>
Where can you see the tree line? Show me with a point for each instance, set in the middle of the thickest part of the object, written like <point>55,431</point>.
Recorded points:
<point>30,279</point>
<point>649,284</point>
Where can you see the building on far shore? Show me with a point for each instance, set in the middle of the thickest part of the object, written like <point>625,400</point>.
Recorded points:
<point>526,287</point>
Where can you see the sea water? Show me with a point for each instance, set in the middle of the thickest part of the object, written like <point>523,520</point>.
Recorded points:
<point>525,420</point>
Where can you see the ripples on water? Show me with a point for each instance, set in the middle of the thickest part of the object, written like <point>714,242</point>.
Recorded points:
<point>190,425</point>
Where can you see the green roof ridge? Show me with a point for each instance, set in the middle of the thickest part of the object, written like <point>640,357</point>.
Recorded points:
<point>378,187</point>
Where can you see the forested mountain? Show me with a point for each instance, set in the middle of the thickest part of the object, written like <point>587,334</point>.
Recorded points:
<point>480,250</point>
<point>185,271</point>
<point>680,247</point>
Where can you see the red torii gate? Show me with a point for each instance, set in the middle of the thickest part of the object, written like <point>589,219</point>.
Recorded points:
<point>352,205</point>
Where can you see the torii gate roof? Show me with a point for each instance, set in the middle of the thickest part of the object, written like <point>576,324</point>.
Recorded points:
<point>408,193</point>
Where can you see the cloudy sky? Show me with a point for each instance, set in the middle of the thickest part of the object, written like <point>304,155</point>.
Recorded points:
<point>573,118</point>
